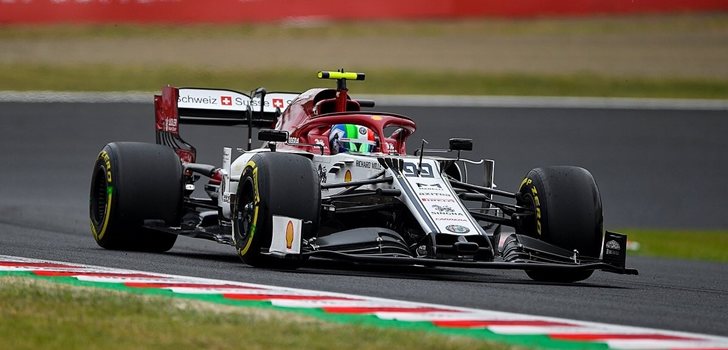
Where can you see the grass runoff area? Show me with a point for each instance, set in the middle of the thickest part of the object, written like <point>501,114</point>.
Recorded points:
<point>120,78</point>
<point>680,244</point>
<point>676,56</point>
<point>38,314</point>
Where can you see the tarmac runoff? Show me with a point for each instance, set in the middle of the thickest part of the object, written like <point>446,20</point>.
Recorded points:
<point>407,100</point>
<point>503,327</point>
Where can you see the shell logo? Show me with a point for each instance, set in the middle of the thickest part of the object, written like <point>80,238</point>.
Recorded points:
<point>289,235</point>
<point>347,176</point>
<point>376,117</point>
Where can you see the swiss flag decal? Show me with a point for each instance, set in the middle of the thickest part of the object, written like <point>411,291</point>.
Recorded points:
<point>226,100</point>
<point>278,103</point>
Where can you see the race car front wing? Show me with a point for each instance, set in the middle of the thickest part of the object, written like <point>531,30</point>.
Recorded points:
<point>532,254</point>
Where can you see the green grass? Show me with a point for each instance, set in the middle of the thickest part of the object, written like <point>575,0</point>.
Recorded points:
<point>100,77</point>
<point>44,315</point>
<point>683,244</point>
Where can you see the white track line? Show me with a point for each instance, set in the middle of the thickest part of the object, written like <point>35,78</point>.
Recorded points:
<point>549,102</point>
<point>75,97</point>
<point>407,100</point>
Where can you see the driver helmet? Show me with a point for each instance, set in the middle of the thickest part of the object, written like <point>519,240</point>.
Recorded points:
<point>351,138</point>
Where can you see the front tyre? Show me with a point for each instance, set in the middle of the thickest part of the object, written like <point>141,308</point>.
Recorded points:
<point>274,183</point>
<point>133,182</point>
<point>567,213</point>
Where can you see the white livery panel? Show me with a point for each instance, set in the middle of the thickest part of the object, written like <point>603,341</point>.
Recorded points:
<point>432,197</point>
<point>229,100</point>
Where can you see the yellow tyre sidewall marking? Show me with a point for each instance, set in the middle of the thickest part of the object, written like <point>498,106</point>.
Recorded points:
<point>249,237</point>
<point>537,203</point>
<point>106,160</point>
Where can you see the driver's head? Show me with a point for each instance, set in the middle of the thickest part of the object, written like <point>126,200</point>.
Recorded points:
<point>351,138</point>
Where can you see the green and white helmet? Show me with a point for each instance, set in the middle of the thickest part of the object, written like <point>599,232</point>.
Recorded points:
<point>351,138</point>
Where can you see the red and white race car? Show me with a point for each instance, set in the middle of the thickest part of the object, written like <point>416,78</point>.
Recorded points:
<point>333,181</point>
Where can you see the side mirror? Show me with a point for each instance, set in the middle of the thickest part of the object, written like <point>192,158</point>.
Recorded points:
<point>458,144</point>
<point>271,135</point>
<point>366,103</point>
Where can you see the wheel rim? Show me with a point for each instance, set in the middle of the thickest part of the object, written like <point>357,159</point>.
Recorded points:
<point>528,224</point>
<point>99,195</point>
<point>244,212</point>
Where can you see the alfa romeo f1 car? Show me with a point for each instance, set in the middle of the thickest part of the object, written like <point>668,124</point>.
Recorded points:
<point>334,182</point>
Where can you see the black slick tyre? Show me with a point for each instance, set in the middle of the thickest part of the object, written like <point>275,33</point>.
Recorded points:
<point>133,182</point>
<point>274,183</point>
<point>567,213</point>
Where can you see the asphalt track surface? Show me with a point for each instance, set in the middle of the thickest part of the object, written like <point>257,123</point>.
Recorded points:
<point>654,168</point>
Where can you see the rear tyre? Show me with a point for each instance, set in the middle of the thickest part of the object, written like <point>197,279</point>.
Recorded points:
<point>274,183</point>
<point>133,182</point>
<point>568,213</point>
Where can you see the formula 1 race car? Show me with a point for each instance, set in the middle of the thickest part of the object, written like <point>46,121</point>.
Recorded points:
<point>334,182</point>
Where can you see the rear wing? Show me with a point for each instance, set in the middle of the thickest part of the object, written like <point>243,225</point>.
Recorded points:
<point>177,106</point>
<point>221,106</point>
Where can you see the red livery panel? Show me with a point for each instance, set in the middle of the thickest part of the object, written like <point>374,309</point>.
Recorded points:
<point>235,11</point>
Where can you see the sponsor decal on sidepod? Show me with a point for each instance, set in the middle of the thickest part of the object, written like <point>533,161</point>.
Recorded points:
<point>457,229</point>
